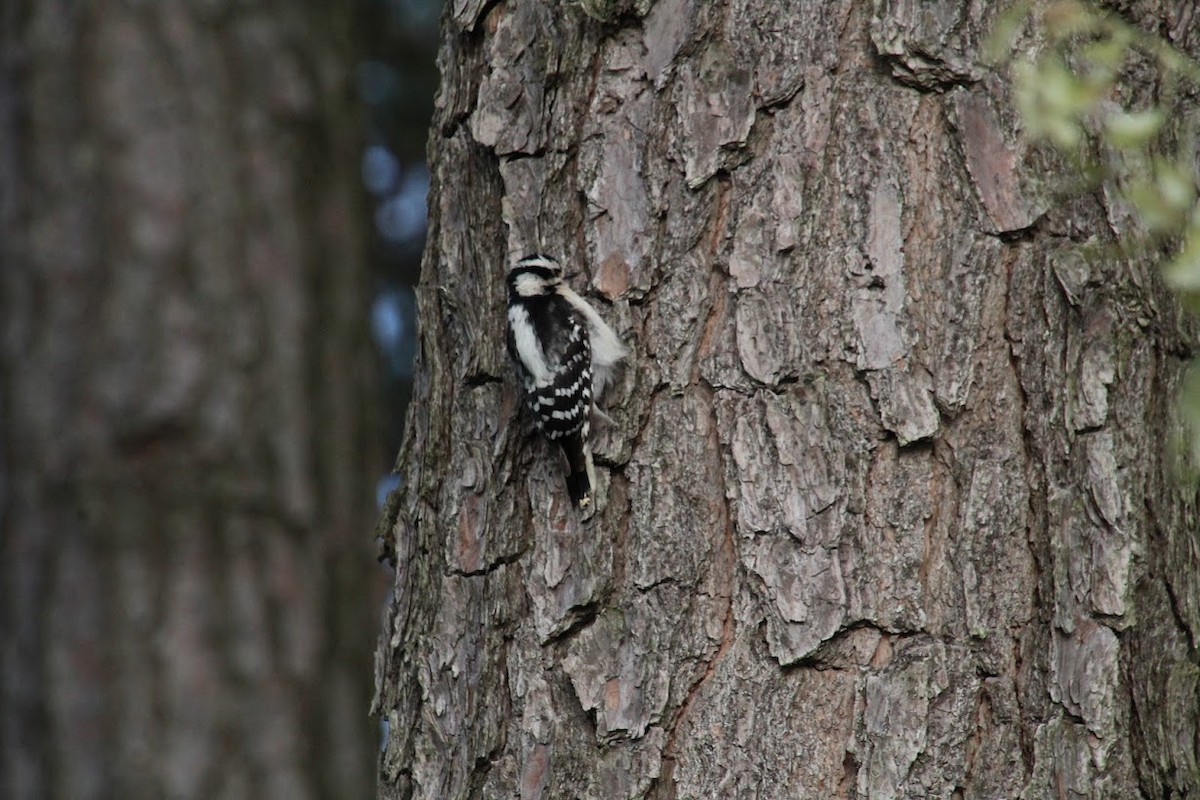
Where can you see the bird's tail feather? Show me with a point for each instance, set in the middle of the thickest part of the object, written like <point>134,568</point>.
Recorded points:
<point>581,473</point>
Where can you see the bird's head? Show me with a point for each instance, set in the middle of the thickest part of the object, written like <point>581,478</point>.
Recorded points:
<point>534,276</point>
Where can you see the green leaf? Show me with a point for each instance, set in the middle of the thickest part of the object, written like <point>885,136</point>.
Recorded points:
<point>1153,211</point>
<point>998,46</point>
<point>1174,61</point>
<point>1063,132</point>
<point>1128,130</point>
<point>1105,57</point>
<point>1175,184</point>
<point>1066,18</point>
<point>1052,101</point>
<point>1025,89</point>
<point>1059,89</point>
<point>1182,273</point>
<point>1189,409</point>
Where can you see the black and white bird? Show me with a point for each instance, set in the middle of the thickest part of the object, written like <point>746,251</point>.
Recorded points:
<point>565,356</point>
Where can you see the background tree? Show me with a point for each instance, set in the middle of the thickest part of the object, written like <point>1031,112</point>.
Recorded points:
<point>888,508</point>
<point>186,444</point>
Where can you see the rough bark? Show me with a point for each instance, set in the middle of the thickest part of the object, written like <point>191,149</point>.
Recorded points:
<point>186,465</point>
<point>888,508</point>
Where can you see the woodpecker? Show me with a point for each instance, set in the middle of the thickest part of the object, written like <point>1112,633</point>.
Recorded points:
<point>565,356</point>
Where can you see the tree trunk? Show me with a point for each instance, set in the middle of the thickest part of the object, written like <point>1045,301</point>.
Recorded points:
<point>887,509</point>
<point>186,467</point>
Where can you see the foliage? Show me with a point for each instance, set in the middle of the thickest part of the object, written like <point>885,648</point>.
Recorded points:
<point>1072,92</point>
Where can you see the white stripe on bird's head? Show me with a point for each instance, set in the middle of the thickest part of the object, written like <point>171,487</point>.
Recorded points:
<point>538,260</point>
<point>534,275</point>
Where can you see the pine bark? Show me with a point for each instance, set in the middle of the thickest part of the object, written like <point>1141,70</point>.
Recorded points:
<point>185,481</point>
<point>889,507</point>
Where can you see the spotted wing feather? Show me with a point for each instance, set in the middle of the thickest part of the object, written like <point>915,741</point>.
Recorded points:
<point>558,384</point>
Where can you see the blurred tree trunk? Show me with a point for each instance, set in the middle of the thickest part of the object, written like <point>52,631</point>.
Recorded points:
<point>888,509</point>
<point>185,480</point>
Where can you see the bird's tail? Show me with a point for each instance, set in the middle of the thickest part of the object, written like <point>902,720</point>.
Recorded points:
<point>581,473</point>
